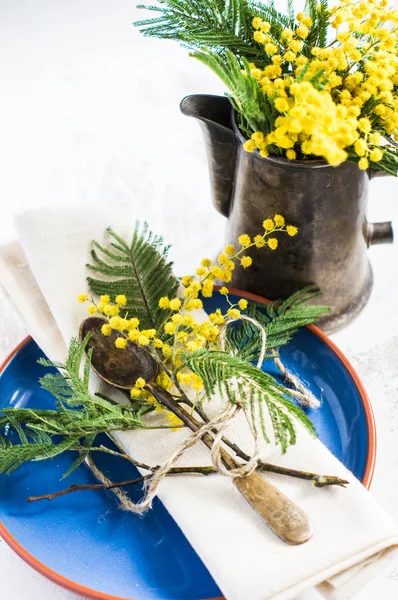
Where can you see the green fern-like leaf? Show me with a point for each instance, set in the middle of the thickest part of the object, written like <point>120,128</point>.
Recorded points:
<point>81,416</point>
<point>280,319</point>
<point>217,24</point>
<point>246,95</point>
<point>138,270</point>
<point>14,456</point>
<point>237,380</point>
<point>320,15</point>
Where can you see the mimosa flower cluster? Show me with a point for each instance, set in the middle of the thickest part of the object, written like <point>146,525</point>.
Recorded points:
<point>337,100</point>
<point>184,330</point>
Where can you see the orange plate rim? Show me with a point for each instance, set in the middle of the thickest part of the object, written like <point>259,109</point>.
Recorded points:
<point>91,594</point>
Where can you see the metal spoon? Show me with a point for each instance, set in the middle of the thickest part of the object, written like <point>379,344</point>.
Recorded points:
<point>122,368</point>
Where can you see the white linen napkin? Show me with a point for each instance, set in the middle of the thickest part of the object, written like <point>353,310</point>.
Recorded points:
<point>354,536</point>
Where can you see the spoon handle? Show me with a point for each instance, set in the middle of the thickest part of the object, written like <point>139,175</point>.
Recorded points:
<point>281,514</point>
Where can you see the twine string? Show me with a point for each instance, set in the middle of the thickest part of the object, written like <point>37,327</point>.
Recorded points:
<point>223,420</point>
<point>218,423</point>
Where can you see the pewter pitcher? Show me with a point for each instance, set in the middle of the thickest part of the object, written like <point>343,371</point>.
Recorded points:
<point>327,204</point>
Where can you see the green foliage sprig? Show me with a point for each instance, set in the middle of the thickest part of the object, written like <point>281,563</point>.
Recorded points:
<point>138,270</point>
<point>343,57</point>
<point>222,25</point>
<point>239,381</point>
<point>80,415</point>
<point>281,320</point>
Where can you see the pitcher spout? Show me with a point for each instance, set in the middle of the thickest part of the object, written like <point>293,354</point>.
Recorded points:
<point>214,115</point>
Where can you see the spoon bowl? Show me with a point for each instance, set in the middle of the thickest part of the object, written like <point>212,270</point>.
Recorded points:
<point>120,368</point>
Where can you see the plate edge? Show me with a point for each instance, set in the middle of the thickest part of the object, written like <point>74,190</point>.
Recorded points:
<point>366,481</point>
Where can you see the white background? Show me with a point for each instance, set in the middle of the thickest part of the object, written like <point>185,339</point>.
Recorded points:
<point>89,113</point>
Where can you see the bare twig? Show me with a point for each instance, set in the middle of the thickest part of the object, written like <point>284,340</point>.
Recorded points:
<point>316,479</point>
<point>75,487</point>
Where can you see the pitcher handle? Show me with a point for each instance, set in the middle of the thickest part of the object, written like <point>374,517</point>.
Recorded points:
<point>378,233</point>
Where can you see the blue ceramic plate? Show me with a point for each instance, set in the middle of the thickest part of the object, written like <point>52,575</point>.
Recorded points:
<point>85,544</point>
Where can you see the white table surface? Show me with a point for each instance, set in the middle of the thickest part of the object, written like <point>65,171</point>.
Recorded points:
<point>89,114</point>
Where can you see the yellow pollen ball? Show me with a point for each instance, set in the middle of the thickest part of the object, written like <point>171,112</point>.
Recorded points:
<point>290,154</point>
<point>167,351</point>
<point>149,333</point>
<point>244,240</point>
<point>363,164</point>
<point>246,261</point>
<point>188,320</point>
<point>121,300</point>
<point>256,23</point>
<point>121,342</point>
<point>242,304</point>
<point>291,230</point>
<point>270,48</point>
<point>216,271</point>
<point>365,125</point>
<point>91,309</point>
<point>143,340</point>
<point>281,105</point>
<point>375,138</point>
<point>259,241</point>
<point>140,383</point>
<point>111,310</point>
<point>287,34</point>
<point>230,265</point>
<point>187,280</point>
<point>115,322</point>
<point>249,146</point>
<point>177,319</point>
<point>226,276</point>
<point>279,220</point>
<point>230,250</point>
<point>207,290</point>
<point>82,297</point>
<point>175,304</point>
<point>360,147</point>
<point>290,56</point>
<point>268,224</point>
<point>376,155</point>
<point>302,31</point>
<point>272,243</point>
<point>206,262</point>
<point>170,328</point>
<point>224,291</point>
<point>106,329</point>
<point>164,302</point>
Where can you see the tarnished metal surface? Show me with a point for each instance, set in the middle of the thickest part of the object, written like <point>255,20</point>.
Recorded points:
<point>117,367</point>
<point>285,518</point>
<point>327,204</point>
